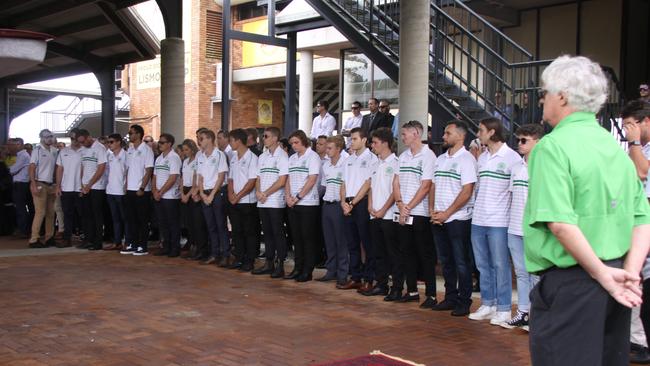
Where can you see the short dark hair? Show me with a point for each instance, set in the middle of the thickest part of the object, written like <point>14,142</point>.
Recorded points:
<point>362,133</point>
<point>324,103</point>
<point>414,124</point>
<point>201,129</point>
<point>168,137</point>
<point>224,133</point>
<point>251,131</point>
<point>534,130</point>
<point>191,145</point>
<point>274,131</point>
<point>115,136</point>
<point>375,99</point>
<point>383,134</point>
<point>209,134</point>
<point>82,132</point>
<point>636,109</point>
<point>321,137</point>
<point>460,125</point>
<point>300,135</point>
<point>239,134</point>
<point>138,129</point>
<point>495,124</point>
<point>19,140</point>
<point>357,103</point>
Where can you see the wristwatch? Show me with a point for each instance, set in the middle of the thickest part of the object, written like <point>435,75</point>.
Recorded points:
<point>298,197</point>
<point>635,143</point>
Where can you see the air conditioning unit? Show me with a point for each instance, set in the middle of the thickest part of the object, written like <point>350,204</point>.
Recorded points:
<point>219,82</point>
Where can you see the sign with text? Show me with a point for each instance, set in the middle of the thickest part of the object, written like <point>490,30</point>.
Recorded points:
<point>148,73</point>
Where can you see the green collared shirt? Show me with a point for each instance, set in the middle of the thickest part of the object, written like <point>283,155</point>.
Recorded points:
<point>579,175</point>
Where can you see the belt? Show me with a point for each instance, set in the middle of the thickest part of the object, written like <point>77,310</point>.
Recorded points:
<point>616,263</point>
<point>46,183</point>
<point>331,202</point>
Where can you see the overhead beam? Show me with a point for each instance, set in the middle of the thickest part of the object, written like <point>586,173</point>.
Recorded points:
<point>172,12</point>
<point>119,5</point>
<point>46,74</point>
<point>507,15</point>
<point>257,38</point>
<point>49,10</point>
<point>104,42</point>
<point>77,27</point>
<point>124,30</point>
<point>73,53</point>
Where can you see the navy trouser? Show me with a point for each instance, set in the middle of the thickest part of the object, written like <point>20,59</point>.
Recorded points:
<point>138,211</point>
<point>454,246</point>
<point>419,255</point>
<point>93,216</point>
<point>387,258</point>
<point>357,233</point>
<point>168,211</point>
<point>338,255</point>
<point>245,222</point>
<point>215,221</point>
<point>20,196</point>
<point>71,204</point>
<point>116,205</point>
<point>275,238</point>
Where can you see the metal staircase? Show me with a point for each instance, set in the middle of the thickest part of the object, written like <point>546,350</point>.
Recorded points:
<point>470,60</point>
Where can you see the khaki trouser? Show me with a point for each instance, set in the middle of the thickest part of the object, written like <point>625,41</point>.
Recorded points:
<point>58,208</point>
<point>43,208</point>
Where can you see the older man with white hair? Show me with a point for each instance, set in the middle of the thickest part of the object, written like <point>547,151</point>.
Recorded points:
<point>586,214</point>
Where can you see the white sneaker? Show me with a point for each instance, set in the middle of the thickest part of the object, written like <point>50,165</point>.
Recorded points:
<point>140,251</point>
<point>484,312</point>
<point>500,317</point>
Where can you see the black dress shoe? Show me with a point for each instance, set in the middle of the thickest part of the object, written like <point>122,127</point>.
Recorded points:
<point>266,269</point>
<point>460,310</point>
<point>639,354</point>
<point>278,272</point>
<point>429,303</point>
<point>292,276</point>
<point>83,246</point>
<point>246,267</point>
<point>394,295</point>
<point>409,298</point>
<point>161,253</point>
<point>51,242</point>
<point>445,305</point>
<point>376,291</point>
<point>94,247</point>
<point>305,277</point>
<point>235,265</point>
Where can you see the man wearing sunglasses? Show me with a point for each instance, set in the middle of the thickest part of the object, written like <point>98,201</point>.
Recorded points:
<point>93,189</point>
<point>352,122</point>
<point>41,177</point>
<point>116,187</point>
<point>644,92</point>
<point>166,195</point>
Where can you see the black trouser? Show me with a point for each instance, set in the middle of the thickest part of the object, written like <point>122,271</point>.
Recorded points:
<point>453,246</point>
<point>574,321</point>
<point>645,309</point>
<point>71,204</point>
<point>20,196</point>
<point>245,231</point>
<point>275,239</point>
<point>304,221</point>
<point>138,209</point>
<point>168,211</point>
<point>358,234</point>
<point>419,255</point>
<point>195,223</point>
<point>93,216</point>
<point>384,238</point>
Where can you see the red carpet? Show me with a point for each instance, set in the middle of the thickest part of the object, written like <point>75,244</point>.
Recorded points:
<point>375,358</point>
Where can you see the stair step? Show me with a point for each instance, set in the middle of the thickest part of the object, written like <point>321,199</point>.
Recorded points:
<point>456,97</point>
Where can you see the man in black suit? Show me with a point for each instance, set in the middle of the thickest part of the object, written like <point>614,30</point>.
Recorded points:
<point>384,108</point>
<point>375,119</point>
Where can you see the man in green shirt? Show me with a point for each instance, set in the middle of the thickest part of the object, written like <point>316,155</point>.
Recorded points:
<point>586,209</point>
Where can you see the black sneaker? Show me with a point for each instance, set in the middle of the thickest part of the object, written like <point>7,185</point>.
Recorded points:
<point>50,242</point>
<point>519,320</point>
<point>410,297</point>
<point>394,295</point>
<point>444,305</point>
<point>130,249</point>
<point>460,310</point>
<point>37,245</point>
<point>140,251</point>
<point>429,303</point>
<point>639,354</point>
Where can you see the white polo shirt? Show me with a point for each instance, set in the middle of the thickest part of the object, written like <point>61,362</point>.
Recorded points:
<point>91,158</point>
<point>332,179</point>
<point>352,122</point>
<point>413,170</point>
<point>381,184</point>
<point>519,189</point>
<point>241,171</point>
<point>45,161</point>
<point>165,166</point>
<point>70,160</point>
<point>492,205</point>
<point>116,167</point>
<point>188,170</point>
<point>646,153</point>
<point>451,173</point>
<point>358,169</point>
<point>137,161</point>
<point>209,168</point>
<point>270,167</point>
<point>300,168</point>
<point>321,174</point>
<point>323,125</point>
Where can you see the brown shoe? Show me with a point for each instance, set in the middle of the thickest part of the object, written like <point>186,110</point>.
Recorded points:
<point>366,287</point>
<point>211,260</point>
<point>350,285</point>
<point>109,247</point>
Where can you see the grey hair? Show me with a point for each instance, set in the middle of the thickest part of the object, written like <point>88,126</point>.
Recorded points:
<point>581,80</point>
<point>43,132</point>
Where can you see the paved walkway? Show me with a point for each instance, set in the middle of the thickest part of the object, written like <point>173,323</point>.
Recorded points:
<point>102,308</point>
